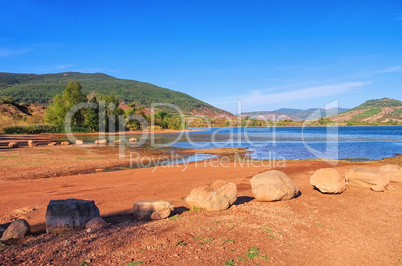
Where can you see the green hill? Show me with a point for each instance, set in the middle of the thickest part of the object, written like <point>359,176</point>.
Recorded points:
<point>379,103</point>
<point>378,110</point>
<point>33,88</point>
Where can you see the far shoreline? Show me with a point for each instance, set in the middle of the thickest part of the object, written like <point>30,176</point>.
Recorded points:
<point>190,129</point>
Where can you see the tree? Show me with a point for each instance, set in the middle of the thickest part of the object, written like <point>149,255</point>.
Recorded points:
<point>175,123</point>
<point>56,112</point>
<point>253,123</point>
<point>72,94</point>
<point>109,112</point>
<point>161,114</point>
<point>58,109</point>
<point>91,120</point>
<point>324,121</point>
<point>134,124</point>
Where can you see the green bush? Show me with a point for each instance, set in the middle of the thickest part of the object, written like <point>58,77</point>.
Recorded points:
<point>37,129</point>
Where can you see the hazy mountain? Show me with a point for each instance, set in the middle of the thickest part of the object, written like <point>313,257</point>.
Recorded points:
<point>294,114</point>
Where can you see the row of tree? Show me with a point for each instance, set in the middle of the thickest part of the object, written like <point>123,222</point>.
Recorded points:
<point>97,112</point>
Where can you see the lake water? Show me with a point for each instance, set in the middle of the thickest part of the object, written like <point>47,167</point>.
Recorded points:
<point>297,142</point>
<point>286,142</point>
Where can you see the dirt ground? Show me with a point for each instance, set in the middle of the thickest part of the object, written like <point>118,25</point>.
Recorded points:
<point>357,227</point>
<point>45,161</point>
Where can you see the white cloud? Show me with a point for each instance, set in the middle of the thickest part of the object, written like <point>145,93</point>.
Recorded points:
<point>95,70</point>
<point>64,66</point>
<point>309,93</point>
<point>261,99</point>
<point>371,71</point>
<point>10,52</point>
<point>390,69</point>
<point>398,16</point>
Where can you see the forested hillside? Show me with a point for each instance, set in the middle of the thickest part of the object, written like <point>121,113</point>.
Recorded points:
<point>33,88</point>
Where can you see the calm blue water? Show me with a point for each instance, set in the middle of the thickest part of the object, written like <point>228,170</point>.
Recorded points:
<point>300,143</point>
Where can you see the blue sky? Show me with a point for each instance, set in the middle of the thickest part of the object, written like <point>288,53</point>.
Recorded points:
<point>269,54</point>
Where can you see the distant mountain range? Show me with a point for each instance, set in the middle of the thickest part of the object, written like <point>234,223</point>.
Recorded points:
<point>377,110</point>
<point>294,114</point>
<point>33,88</point>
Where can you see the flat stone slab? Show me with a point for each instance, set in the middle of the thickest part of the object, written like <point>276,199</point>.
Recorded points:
<point>364,177</point>
<point>393,172</point>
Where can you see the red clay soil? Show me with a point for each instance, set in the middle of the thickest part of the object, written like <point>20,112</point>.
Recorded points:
<point>50,161</point>
<point>357,227</point>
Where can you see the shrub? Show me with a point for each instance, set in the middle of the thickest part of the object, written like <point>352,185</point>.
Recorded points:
<point>37,129</point>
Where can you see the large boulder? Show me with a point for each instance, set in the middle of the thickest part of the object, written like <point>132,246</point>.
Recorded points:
<point>69,214</point>
<point>65,143</point>
<point>216,196</point>
<point>132,140</point>
<point>367,178</point>
<point>328,180</point>
<point>17,229</point>
<point>394,172</point>
<point>154,210</point>
<point>79,142</point>
<point>273,186</point>
<point>52,143</point>
<point>13,144</point>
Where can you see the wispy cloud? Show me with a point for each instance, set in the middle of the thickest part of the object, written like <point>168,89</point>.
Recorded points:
<point>369,72</point>
<point>390,69</point>
<point>95,69</point>
<point>64,66</point>
<point>74,68</point>
<point>260,98</point>
<point>61,67</point>
<point>10,52</point>
<point>398,16</point>
<point>303,94</point>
